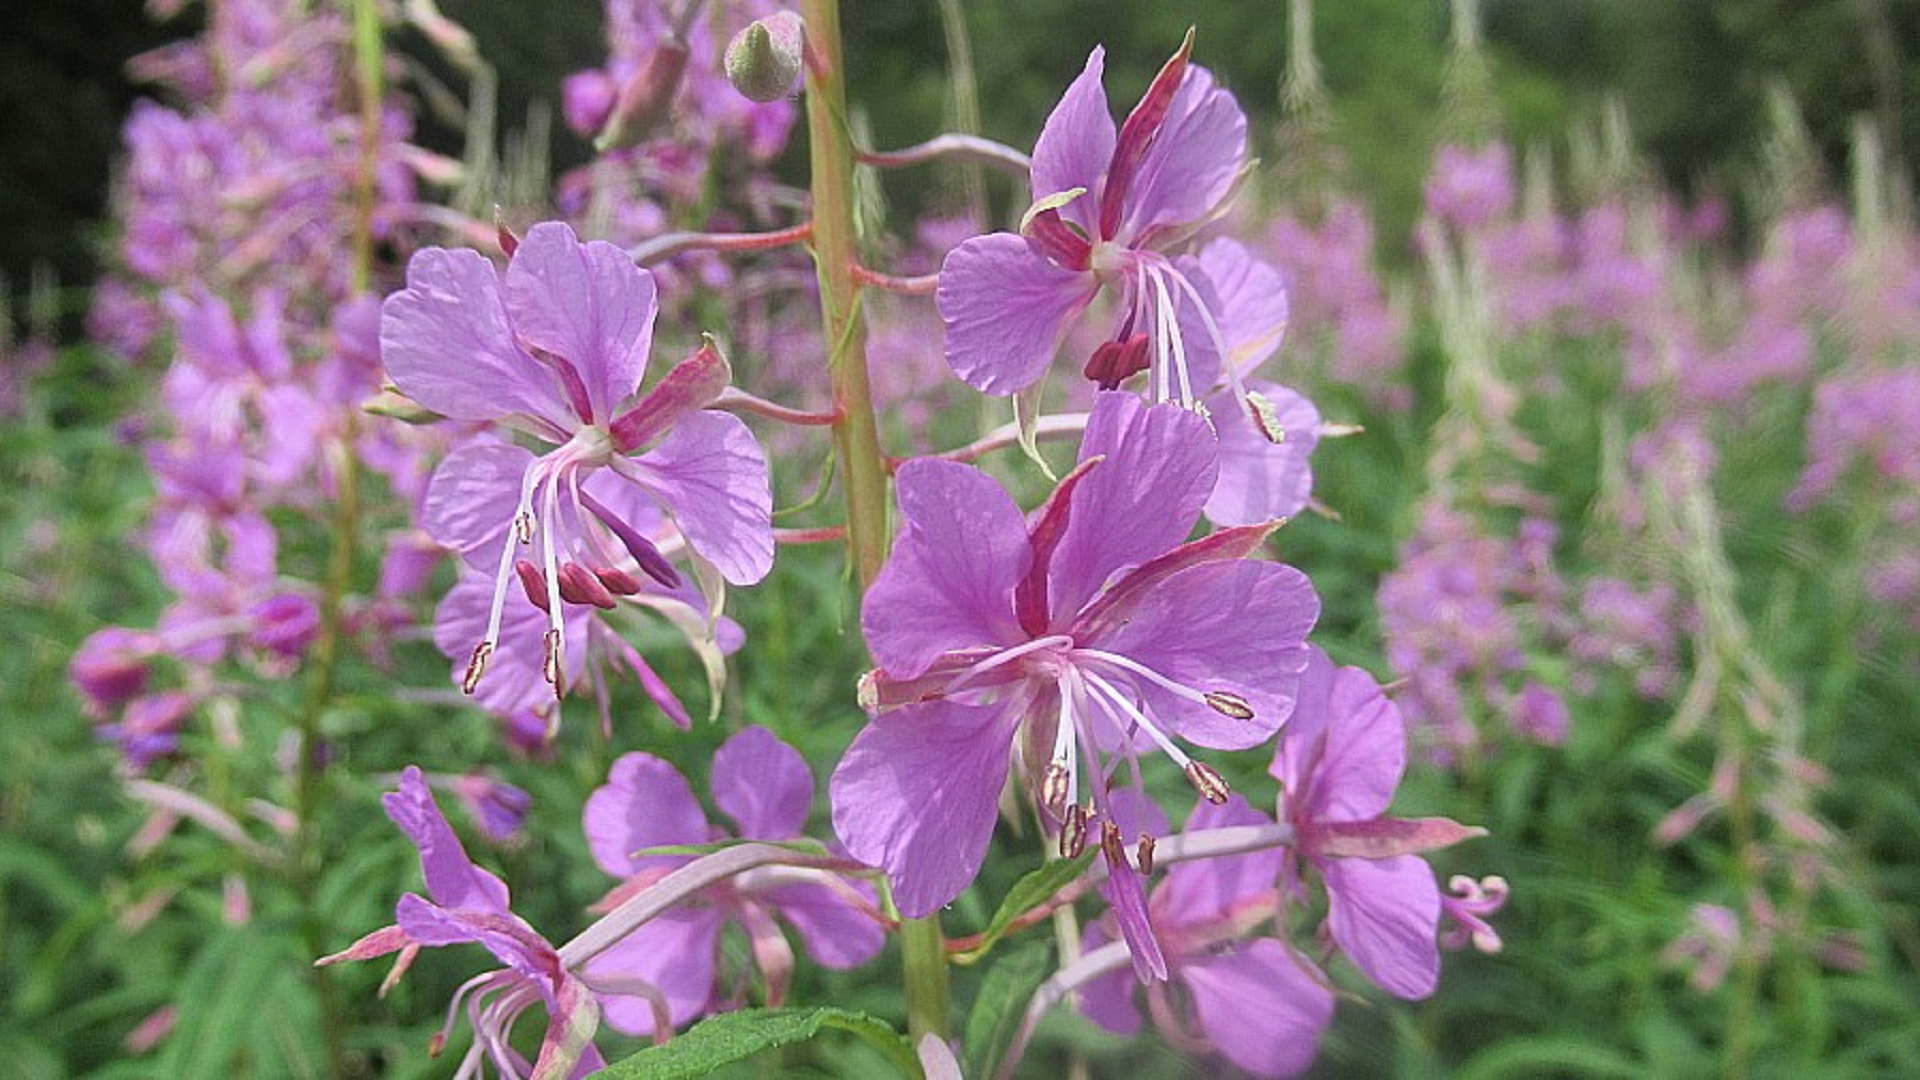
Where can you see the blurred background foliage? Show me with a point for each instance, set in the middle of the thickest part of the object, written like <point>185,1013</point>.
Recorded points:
<point>1694,76</point>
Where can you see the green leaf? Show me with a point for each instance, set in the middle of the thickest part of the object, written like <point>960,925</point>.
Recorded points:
<point>1002,1002</point>
<point>1551,1055</point>
<point>1029,892</point>
<point>220,999</point>
<point>736,1036</point>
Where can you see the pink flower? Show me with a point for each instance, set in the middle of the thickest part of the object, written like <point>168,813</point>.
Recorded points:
<point>556,348</point>
<point>1089,631</point>
<point>1339,762</point>
<point>1258,1002</point>
<point>1107,205</point>
<point>471,905</point>
<point>1196,324</point>
<point>764,786</point>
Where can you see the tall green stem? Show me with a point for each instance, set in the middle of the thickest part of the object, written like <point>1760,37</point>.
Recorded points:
<point>856,439</point>
<point>323,663</point>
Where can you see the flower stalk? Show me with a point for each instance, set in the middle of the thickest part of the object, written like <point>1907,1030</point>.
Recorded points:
<point>856,437</point>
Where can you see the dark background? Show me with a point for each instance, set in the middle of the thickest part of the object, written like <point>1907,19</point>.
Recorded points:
<point>1694,75</point>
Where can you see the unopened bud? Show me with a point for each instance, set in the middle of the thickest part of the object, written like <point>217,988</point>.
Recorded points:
<point>1208,782</point>
<point>476,666</point>
<point>1143,853</point>
<point>1073,832</point>
<point>509,243</point>
<point>1229,704</point>
<point>763,60</point>
<point>645,100</point>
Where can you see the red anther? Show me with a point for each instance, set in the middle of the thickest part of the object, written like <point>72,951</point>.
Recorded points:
<point>578,585</point>
<point>617,581</point>
<point>1100,365</point>
<point>534,582</point>
<point>1133,359</point>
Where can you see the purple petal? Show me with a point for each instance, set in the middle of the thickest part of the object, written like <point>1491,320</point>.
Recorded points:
<point>763,785</point>
<point>1076,144</point>
<point>1107,999</point>
<point>1301,743</point>
<point>446,343</point>
<point>1234,627</point>
<point>1365,753</point>
<point>1261,1007</point>
<point>1126,891</point>
<point>837,934</point>
<point>674,952</point>
<point>917,794</point>
<point>1136,813</point>
<point>1195,892</point>
<point>1003,304</point>
<point>644,803</point>
<point>1383,914</point>
<point>511,941</point>
<point>1140,502</point>
<point>587,304</point>
<point>1261,480</point>
<point>949,583</point>
<point>1253,309</point>
<point>472,498</point>
<point>452,879</point>
<point>655,687</point>
<point>712,476</point>
<point>1193,161</point>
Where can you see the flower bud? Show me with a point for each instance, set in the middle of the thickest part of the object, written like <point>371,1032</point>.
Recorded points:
<point>763,60</point>
<point>645,100</point>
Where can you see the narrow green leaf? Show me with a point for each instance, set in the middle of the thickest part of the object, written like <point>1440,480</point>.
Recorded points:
<point>219,999</point>
<point>736,1036</point>
<point>1556,1055</point>
<point>997,1010</point>
<point>1027,893</point>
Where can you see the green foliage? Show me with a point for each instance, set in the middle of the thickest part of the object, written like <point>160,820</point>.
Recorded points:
<point>1027,893</point>
<point>999,1006</point>
<point>722,1040</point>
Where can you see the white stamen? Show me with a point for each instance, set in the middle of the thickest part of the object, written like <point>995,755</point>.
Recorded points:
<point>522,519</point>
<point>1167,325</point>
<point>1006,656</point>
<point>1215,338</point>
<point>1145,672</point>
<point>1063,757</point>
<point>1113,696</point>
<point>551,516</point>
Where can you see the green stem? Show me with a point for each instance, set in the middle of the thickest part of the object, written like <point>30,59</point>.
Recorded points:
<point>856,436</point>
<point>323,663</point>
